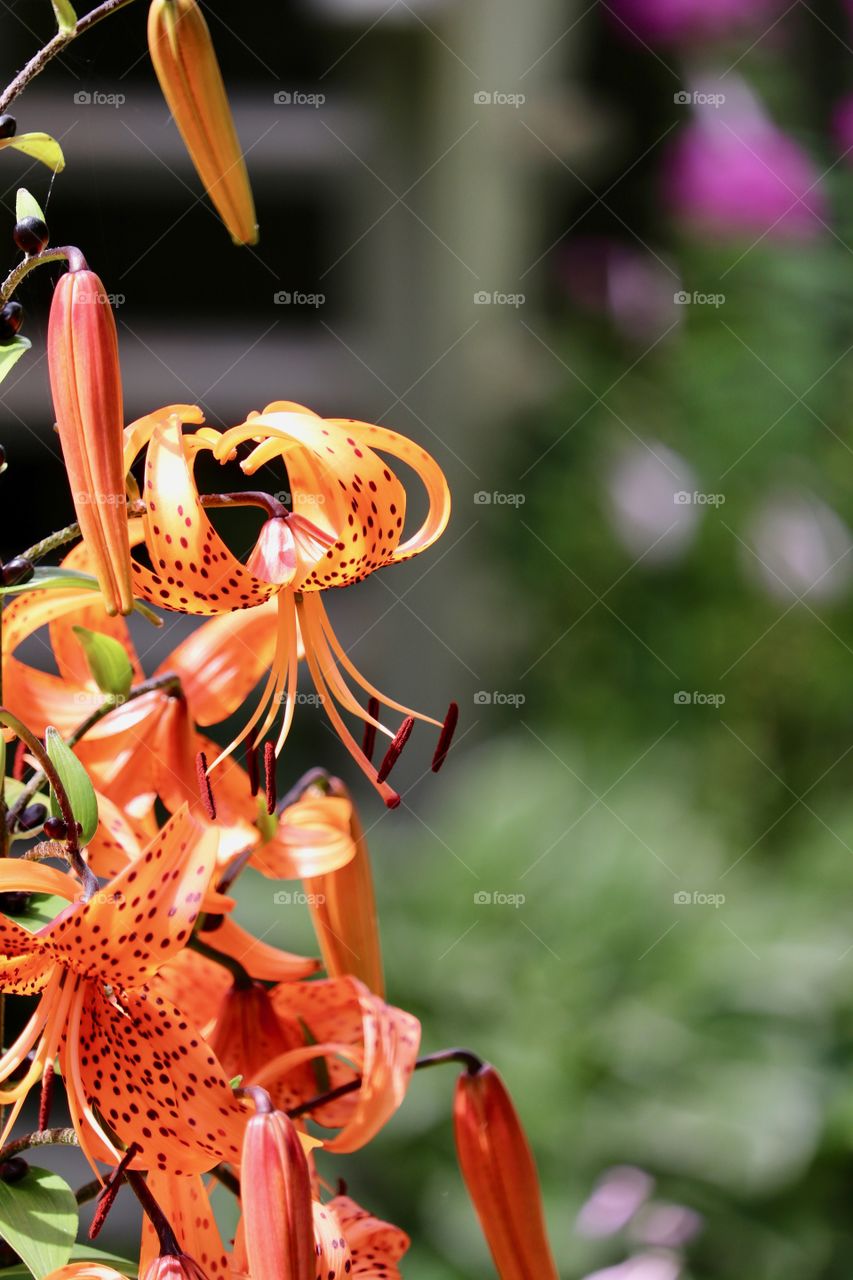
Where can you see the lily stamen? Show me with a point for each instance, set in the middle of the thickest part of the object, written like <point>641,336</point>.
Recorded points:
<point>204,787</point>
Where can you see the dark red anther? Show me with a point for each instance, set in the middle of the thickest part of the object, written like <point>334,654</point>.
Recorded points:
<point>55,828</point>
<point>269,776</point>
<point>446,736</point>
<point>392,755</point>
<point>368,742</point>
<point>252,764</point>
<point>204,788</point>
<point>32,817</point>
<point>110,1191</point>
<point>46,1097</point>
<point>392,801</point>
<point>19,569</point>
<point>20,763</point>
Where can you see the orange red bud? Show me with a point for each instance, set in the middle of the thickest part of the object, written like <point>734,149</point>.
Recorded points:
<point>85,381</point>
<point>185,62</point>
<point>276,1193</point>
<point>174,1266</point>
<point>500,1174</point>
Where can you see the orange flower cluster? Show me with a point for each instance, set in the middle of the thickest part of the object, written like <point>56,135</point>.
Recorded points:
<point>189,1050</point>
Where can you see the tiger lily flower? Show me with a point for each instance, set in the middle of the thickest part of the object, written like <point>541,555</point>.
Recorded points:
<point>500,1174</point>
<point>346,522</point>
<point>357,1035</point>
<point>275,1184</point>
<point>133,1068</point>
<point>185,62</point>
<point>351,1242</point>
<point>191,1218</point>
<point>85,380</point>
<point>320,840</point>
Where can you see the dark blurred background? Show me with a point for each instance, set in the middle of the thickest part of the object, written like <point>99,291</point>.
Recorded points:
<point>597,259</point>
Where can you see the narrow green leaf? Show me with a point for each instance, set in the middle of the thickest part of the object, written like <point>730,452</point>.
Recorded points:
<point>11,352</point>
<point>38,146</point>
<point>75,779</point>
<point>108,662</point>
<point>38,1218</point>
<point>26,206</point>
<point>66,18</point>
<point>85,1252</point>
<point>51,578</point>
<point>42,909</point>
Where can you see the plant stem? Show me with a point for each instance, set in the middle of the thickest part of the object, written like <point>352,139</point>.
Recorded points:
<point>241,976</point>
<point>159,1221</point>
<point>23,269</point>
<point>40,1138</point>
<point>40,60</point>
<point>228,1178</point>
<point>52,542</point>
<point>465,1057</point>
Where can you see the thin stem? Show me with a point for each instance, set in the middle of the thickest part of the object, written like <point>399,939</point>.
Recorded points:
<point>228,1178</point>
<point>465,1057</point>
<point>52,542</point>
<point>39,1138</point>
<point>241,976</point>
<point>247,498</point>
<point>23,269</point>
<point>88,1191</point>
<point>40,60</point>
<point>158,1219</point>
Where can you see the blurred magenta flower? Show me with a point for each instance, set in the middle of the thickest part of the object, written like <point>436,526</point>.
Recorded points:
<point>678,20</point>
<point>732,172</point>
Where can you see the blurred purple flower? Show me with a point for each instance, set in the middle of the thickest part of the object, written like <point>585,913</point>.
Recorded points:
<point>677,20</point>
<point>614,1201</point>
<point>732,172</point>
<point>631,286</point>
<point>643,1266</point>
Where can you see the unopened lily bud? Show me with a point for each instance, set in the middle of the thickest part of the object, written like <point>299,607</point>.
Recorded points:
<point>85,379</point>
<point>500,1174</point>
<point>174,1266</point>
<point>276,1195</point>
<point>185,62</point>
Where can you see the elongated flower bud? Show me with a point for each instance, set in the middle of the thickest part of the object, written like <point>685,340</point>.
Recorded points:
<point>500,1174</point>
<point>85,380</point>
<point>185,62</point>
<point>276,1195</point>
<point>174,1266</point>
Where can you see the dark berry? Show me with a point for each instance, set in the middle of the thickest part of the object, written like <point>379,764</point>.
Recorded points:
<point>14,1170</point>
<point>31,235</point>
<point>8,126</point>
<point>15,902</point>
<point>16,570</point>
<point>32,817</point>
<point>11,319</point>
<point>55,828</point>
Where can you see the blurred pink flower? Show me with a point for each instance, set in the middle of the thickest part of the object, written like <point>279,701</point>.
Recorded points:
<point>732,172</point>
<point>676,20</point>
<point>632,286</point>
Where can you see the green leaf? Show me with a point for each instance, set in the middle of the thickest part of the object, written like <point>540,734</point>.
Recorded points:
<point>75,779</point>
<point>11,352</point>
<point>38,1218</point>
<point>108,662</point>
<point>42,909</point>
<point>26,206</point>
<point>66,18</point>
<point>52,579</point>
<point>85,1252</point>
<point>38,146</point>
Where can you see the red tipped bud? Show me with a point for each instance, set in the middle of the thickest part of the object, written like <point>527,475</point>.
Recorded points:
<point>82,352</point>
<point>276,1194</point>
<point>185,62</point>
<point>500,1174</point>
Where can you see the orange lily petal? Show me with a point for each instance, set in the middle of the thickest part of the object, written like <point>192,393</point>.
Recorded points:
<point>192,1221</point>
<point>313,837</point>
<point>375,1246</point>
